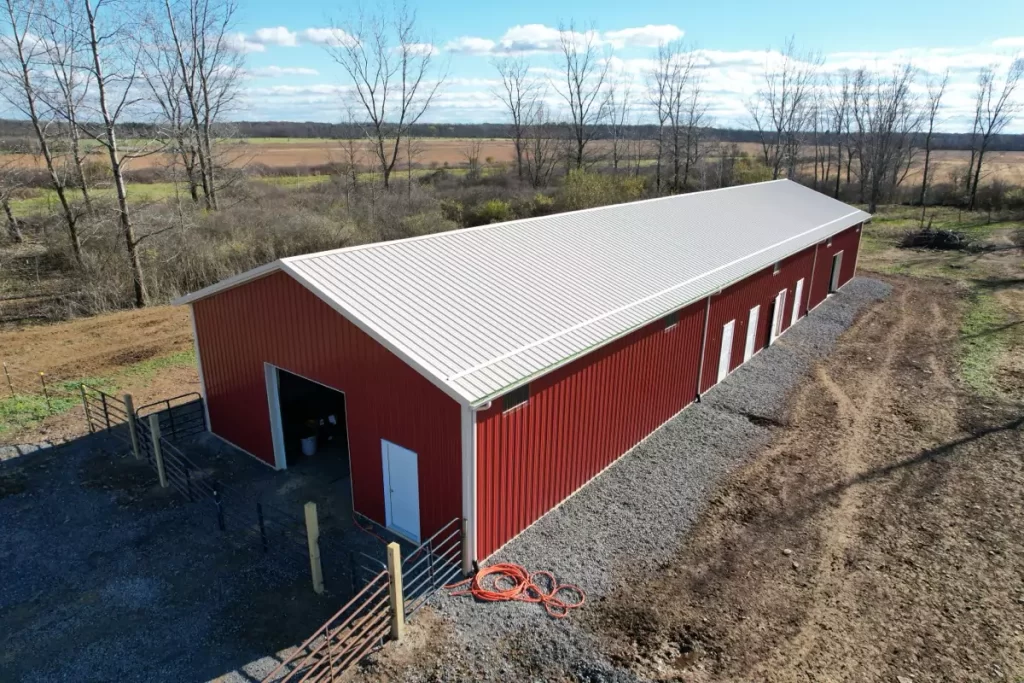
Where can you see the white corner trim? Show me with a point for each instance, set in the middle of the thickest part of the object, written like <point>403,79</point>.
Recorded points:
<point>469,488</point>
<point>199,367</point>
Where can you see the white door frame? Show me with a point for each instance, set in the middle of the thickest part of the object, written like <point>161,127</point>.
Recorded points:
<point>752,319</point>
<point>277,427</point>
<point>837,267</point>
<point>797,295</point>
<point>409,534</point>
<point>725,352</point>
<point>778,315</point>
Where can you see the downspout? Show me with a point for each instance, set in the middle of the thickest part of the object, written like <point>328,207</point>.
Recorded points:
<point>703,345</point>
<point>469,507</point>
<point>199,366</point>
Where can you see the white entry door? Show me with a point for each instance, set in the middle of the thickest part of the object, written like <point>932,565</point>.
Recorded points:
<point>401,490</point>
<point>798,296</point>
<point>725,355</point>
<point>777,316</point>
<point>748,350</point>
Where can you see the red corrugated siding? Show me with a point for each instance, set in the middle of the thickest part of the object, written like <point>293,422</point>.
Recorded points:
<point>848,242</point>
<point>579,420</point>
<point>277,320</point>
<point>736,301</point>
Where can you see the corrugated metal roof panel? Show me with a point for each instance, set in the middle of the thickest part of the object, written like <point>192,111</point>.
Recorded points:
<point>486,308</point>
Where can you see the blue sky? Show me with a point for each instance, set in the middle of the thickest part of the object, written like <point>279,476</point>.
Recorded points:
<point>292,77</point>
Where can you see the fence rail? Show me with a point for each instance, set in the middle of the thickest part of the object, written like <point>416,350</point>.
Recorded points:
<point>104,412</point>
<point>180,416</point>
<point>435,563</point>
<point>356,630</point>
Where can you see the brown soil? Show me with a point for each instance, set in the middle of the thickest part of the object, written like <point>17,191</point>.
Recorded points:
<point>1005,166</point>
<point>881,535</point>
<point>100,345</point>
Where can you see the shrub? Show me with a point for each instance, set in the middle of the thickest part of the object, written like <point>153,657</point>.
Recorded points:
<point>452,210</point>
<point>585,189</point>
<point>492,211</point>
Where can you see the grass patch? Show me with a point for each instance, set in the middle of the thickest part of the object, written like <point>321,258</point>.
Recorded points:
<point>145,370</point>
<point>982,340</point>
<point>25,411</point>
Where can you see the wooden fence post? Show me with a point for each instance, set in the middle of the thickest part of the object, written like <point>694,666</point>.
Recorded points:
<point>158,456</point>
<point>313,539</point>
<point>85,404</point>
<point>10,385</point>
<point>395,589</point>
<point>129,408</point>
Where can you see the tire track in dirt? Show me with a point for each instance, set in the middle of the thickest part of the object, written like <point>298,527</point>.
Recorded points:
<point>855,422</point>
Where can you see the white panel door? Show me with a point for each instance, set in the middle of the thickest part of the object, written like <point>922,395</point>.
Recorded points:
<point>777,316</point>
<point>798,296</point>
<point>725,355</point>
<point>401,490</point>
<point>748,350</point>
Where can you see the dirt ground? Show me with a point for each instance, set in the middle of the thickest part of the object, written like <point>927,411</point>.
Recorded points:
<point>100,345</point>
<point>881,534</point>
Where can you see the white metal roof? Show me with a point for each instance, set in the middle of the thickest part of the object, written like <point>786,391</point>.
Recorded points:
<point>482,310</point>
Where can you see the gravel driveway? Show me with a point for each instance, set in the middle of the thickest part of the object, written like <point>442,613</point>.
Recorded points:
<point>629,521</point>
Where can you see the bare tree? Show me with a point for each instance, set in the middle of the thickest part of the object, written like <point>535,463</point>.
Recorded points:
<point>995,108</point>
<point>779,108</point>
<point>20,52</point>
<point>63,43</point>
<point>518,94</point>
<point>165,81</point>
<point>667,86</point>
<point>113,71</point>
<point>838,104</point>
<point>620,107</point>
<point>935,92</point>
<point>541,148</point>
<point>471,153</point>
<point>585,70</point>
<point>209,70</point>
<point>394,78</point>
<point>887,118</point>
<point>694,123</point>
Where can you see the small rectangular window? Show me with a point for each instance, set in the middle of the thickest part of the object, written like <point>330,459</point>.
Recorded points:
<point>777,269</point>
<point>671,320</point>
<point>516,397</point>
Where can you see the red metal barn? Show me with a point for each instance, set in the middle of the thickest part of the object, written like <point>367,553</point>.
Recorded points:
<point>488,373</point>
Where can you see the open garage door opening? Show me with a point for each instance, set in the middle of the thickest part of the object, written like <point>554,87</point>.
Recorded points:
<point>310,422</point>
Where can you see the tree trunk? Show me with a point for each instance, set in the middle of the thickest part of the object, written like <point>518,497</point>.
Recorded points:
<point>13,229</point>
<point>124,217</point>
<point>977,178</point>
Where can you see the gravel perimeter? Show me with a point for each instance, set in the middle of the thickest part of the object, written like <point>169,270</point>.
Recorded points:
<point>631,519</point>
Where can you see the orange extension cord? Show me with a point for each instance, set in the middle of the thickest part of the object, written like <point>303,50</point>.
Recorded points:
<point>512,582</point>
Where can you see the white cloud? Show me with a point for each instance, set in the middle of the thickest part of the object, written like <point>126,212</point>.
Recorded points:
<point>643,36</point>
<point>470,46</point>
<point>277,35</point>
<point>240,43</point>
<point>422,49</point>
<point>1015,41</point>
<point>276,71</point>
<point>530,38</point>
<point>332,37</point>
